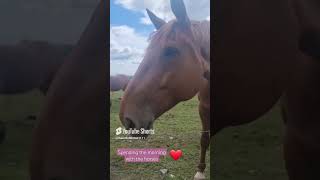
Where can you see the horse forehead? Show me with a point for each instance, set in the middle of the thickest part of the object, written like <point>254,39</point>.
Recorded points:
<point>168,33</point>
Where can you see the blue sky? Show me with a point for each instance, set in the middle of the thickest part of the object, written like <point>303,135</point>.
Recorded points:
<point>121,16</point>
<point>130,28</point>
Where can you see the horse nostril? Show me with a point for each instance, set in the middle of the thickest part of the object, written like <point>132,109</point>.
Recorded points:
<point>129,123</point>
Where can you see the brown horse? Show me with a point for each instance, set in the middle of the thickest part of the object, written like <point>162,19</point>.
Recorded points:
<point>174,69</point>
<point>70,138</point>
<point>119,82</point>
<point>301,102</point>
<point>258,57</point>
<point>30,65</point>
<point>253,58</point>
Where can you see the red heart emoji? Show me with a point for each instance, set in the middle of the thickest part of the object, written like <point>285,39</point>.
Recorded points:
<point>175,154</point>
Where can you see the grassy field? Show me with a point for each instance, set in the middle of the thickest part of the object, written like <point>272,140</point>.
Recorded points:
<point>251,152</point>
<point>177,129</point>
<point>14,151</point>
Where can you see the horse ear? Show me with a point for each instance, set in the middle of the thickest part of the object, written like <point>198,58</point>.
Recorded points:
<point>179,10</point>
<point>157,22</point>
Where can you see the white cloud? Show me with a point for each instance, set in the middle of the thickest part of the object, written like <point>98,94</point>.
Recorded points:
<point>196,9</point>
<point>126,44</point>
<point>126,49</point>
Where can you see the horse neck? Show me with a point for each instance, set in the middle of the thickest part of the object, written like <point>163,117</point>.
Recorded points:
<point>201,32</point>
<point>93,40</point>
<point>86,60</point>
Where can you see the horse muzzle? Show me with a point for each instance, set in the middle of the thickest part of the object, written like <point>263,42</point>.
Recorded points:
<point>140,126</point>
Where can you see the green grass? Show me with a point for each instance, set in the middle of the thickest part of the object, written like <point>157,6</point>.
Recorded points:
<point>248,152</point>
<point>14,151</point>
<point>252,151</point>
<point>182,123</point>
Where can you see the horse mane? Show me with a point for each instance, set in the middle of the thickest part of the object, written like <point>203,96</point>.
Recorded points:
<point>200,30</point>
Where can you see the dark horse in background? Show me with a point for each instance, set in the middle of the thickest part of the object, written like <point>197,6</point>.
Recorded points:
<point>30,65</point>
<point>119,82</point>
<point>70,139</point>
<point>265,49</point>
<point>175,68</point>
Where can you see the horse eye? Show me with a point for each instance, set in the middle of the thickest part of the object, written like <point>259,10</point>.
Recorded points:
<point>170,52</point>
